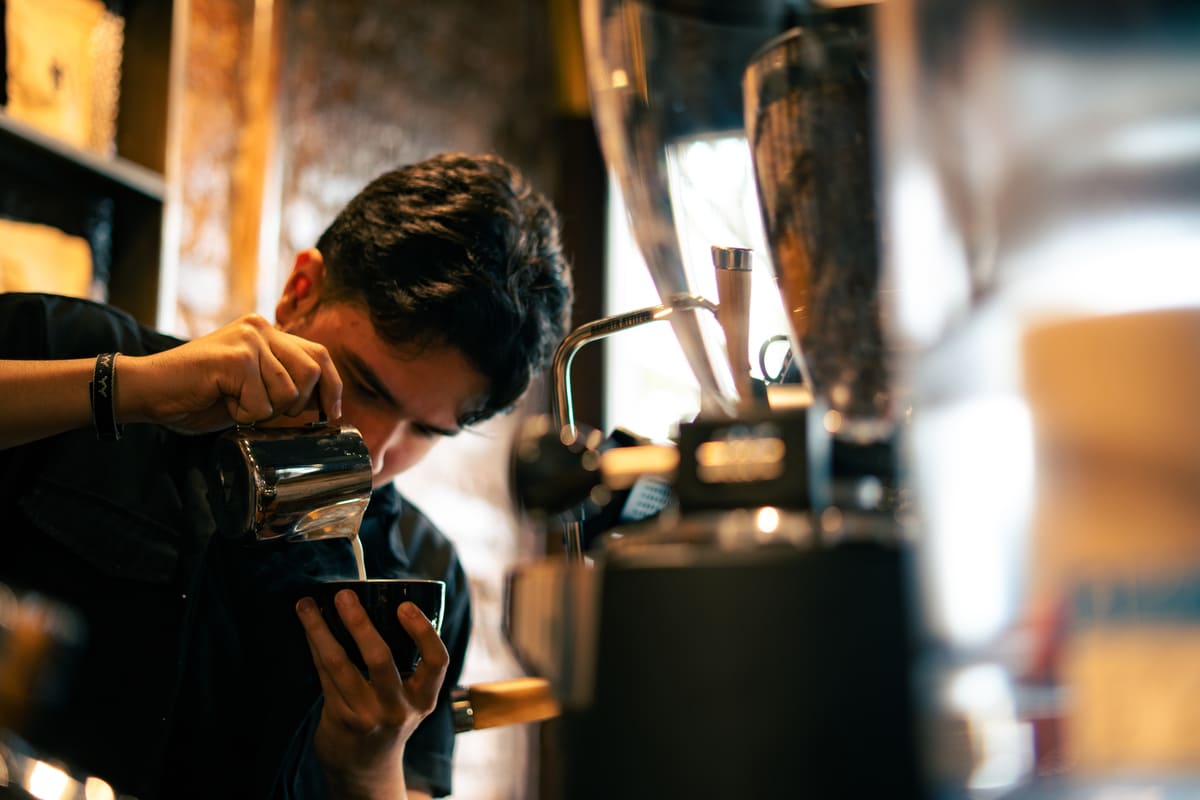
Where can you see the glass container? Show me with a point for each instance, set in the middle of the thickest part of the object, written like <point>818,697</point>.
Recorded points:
<point>1041,178</point>
<point>809,101</point>
<point>664,75</point>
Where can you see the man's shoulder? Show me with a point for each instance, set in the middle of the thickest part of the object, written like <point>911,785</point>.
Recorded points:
<point>413,543</point>
<point>53,307</point>
<point>423,540</point>
<point>57,326</point>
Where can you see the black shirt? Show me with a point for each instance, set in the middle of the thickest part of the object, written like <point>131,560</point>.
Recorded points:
<point>195,679</point>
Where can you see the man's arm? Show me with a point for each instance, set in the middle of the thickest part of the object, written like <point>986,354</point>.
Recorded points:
<point>247,371</point>
<point>42,398</point>
<point>366,720</point>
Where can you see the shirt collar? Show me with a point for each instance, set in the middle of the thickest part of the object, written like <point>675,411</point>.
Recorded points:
<point>385,500</point>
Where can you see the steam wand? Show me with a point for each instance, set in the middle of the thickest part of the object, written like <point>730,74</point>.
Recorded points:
<point>563,408</point>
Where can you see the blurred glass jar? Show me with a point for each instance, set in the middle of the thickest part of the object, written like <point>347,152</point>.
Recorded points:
<point>1041,204</point>
<point>665,84</point>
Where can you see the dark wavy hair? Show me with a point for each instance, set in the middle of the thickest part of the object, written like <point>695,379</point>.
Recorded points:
<point>456,250</point>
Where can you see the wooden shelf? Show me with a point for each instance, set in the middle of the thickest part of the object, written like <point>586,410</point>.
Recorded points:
<point>24,148</point>
<point>118,203</point>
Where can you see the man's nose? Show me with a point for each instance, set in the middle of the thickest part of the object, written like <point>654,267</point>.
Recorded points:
<point>382,442</point>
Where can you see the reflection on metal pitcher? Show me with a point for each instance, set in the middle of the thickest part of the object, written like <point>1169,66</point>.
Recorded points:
<point>294,483</point>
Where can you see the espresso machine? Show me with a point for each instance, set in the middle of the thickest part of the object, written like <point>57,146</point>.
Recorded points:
<point>744,630</point>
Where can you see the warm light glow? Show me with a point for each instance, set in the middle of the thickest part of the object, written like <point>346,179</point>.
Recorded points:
<point>739,459</point>
<point>839,394</point>
<point>96,789</point>
<point>600,495</point>
<point>787,396</point>
<point>47,782</point>
<point>619,79</point>
<point>767,519</point>
<point>832,421</point>
<point>831,520</point>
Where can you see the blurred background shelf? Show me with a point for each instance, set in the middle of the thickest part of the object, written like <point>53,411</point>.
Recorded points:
<point>27,151</point>
<point>119,203</point>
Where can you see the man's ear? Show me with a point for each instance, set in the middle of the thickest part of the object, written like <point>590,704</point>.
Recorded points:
<point>302,291</point>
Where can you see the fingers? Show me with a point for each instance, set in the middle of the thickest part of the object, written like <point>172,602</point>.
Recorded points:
<point>289,369</point>
<point>385,690</point>
<point>246,372</point>
<point>386,699</point>
<point>341,682</point>
<point>424,684</point>
<point>305,376</point>
<point>330,385</point>
<point>250,402</point>
<point>271,373</point>
<point>376,654</point>
<point>288,387</point>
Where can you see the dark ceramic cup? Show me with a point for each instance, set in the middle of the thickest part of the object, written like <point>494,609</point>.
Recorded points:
<point>381,597</point>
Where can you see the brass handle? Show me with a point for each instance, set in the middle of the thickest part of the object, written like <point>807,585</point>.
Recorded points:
<point>509,702</point>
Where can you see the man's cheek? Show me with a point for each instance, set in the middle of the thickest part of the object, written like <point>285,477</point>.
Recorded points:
<point>399,459</point>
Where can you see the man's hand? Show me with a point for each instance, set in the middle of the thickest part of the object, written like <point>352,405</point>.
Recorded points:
<point>366,721</point>
<point>248,371</point>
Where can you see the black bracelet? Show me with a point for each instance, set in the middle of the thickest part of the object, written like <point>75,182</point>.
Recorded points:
<point>103,390</point>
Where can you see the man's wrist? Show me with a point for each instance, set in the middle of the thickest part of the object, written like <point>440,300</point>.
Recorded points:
<point>130,397</point>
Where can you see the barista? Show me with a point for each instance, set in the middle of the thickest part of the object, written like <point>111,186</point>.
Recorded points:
<point>425,307</point>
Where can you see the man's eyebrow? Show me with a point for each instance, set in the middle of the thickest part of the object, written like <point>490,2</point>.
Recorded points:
<point>367,375</point>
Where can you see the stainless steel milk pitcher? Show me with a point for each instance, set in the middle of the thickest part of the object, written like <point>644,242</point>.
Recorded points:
<point>301,484</point>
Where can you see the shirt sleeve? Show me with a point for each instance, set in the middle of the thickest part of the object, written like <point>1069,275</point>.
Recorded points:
<point>43,326</point>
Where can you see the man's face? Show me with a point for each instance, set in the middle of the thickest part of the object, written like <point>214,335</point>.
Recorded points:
<point>402,402</point>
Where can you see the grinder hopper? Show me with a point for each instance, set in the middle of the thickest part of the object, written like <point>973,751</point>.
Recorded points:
<point>808,113</point>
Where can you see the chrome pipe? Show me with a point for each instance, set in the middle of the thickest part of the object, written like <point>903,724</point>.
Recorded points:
<point>564,409</point>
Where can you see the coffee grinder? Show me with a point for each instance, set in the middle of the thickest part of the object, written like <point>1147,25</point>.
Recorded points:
<point>752,638</point>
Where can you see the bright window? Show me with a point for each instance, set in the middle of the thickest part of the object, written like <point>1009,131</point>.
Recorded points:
<point>649,386</point>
